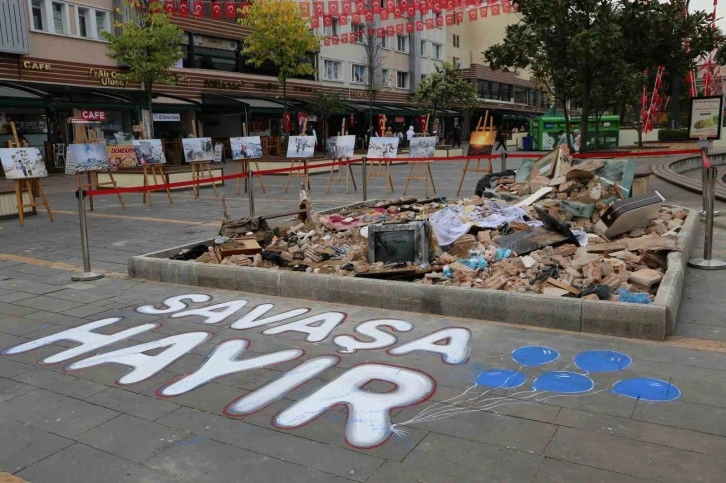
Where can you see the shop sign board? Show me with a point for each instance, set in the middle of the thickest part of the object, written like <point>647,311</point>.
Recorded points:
<point>164,117</point>
<point>90,115</point>
<point>704,120</point>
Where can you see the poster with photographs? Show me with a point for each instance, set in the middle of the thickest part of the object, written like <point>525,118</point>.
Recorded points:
<point>246,147</point>
<point>301,147</point>
<point>340,147</point>
<point>123,138</point>
<point>22,163</point>
<point>383,147</point>
<point>198,150</point>
<point>481,142</point>
<point>86,157</point>
<point>422,147</point>
<point>149,151</point>
<point>121,156</point>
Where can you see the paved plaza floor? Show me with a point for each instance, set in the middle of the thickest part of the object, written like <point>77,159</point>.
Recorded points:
<point>127,380</point>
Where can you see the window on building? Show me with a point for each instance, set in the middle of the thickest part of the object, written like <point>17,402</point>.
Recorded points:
<point>384,42</point>
<point>332,29</point>
<point>402,80</point>
<point>60,17</point>
<point>456,40</point>
<point>84,22</point>
<point>103,23</point>
<point>386,77</point>
<point>437,16</point>
<point>521,94</point>
<point>437,51</point>
<point>38,15</point>
<point>360,74</point>
<point>423,77</point>
<point>359,31</point>
<point>333,69</point>
<point>424,52</point>
<point>402,43</point>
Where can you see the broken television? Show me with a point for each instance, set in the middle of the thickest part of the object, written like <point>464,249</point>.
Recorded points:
<point>398,242</point>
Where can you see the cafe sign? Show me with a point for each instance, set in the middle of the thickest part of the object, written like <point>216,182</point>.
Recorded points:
<point>89,115</point>
<point>107,77</point>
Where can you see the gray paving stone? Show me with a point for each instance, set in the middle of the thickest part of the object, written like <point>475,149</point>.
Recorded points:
<point>89,310</point>
<point>680,414</point>
<point>324,457</point>
<point>82,464</point>
<point>13,325</point>
<point>57,319</point>
<point>10,368</point>
<point>15,296</point>
<point>61,383</point>
<point>649,432</point>
<point>203,459</point>
<point>212,397</point>
<point>49,304</point>
<point>392,472</point>
<point>127,402</point>
<point>108,374</point>
<point>24,444</point>
<point>635,458</point>
<point>11,389</point>
<point>485,427</point>
<point>55,413</point>
<point>556,471</point>
<point>466,459</point>
<point>36,288</point>
<point>131,438</point>
<point>12,309</point>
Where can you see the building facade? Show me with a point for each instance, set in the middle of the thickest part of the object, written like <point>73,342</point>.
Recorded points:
<point>54,66</point>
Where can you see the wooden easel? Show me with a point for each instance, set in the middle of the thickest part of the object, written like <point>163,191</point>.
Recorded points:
<point>382,170</point>
<point>28,185</point>
<point>153,169</point>
<point>480,127</point>
<point>348,175</point>
<point>422,174</point>
<point>80,135</point>
<point>198,173</point>
<point>305,175</point>
<point>242,167</point>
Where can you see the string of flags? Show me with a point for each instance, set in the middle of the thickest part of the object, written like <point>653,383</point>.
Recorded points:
<point>654,103</point>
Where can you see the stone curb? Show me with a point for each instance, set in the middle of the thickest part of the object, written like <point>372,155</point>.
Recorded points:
<point>654,321</point>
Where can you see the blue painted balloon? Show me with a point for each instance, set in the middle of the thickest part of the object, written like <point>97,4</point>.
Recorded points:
<point>501,378</point>
<point>534,355</point>
<point>563,381</point>
<point>647,389</point>
<point>602,361</point>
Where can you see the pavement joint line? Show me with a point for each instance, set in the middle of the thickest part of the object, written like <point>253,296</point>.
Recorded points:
<point>57,265</point>
<point>141,218</point>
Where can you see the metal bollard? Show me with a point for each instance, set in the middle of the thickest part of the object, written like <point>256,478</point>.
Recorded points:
<point>251,193</point>
<point>504,161</point>
<point>703,193</point>
<point>87,274</point>
<point>365,178</point>
<point>709,189</point>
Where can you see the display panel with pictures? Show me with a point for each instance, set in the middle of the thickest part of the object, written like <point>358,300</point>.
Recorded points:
<point>340,147</point>
<point>86,157</point>
<point>423,147</point>
<point>301,147</point>
<point>383,147</point>
<point>248,147</point>
<point>481,142</point>
<point>23,163</point>
<point>198,150</point>
<point>149,151</point>
<point>123,138</point>
<point>122,156</point>
<point>704,120</point>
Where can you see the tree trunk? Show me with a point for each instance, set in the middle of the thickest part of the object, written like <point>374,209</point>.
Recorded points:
<point>149,106</point>
<point>585,117</point>
<point>283,81</point>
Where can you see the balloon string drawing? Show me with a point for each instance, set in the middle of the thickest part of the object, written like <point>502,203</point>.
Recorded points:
<point>547,385</point>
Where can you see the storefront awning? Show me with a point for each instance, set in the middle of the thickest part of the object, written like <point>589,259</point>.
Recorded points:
<point>169,103</point>
<point>250,104</point>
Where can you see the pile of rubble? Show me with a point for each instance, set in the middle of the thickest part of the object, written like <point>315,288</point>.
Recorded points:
<point>557,241</point>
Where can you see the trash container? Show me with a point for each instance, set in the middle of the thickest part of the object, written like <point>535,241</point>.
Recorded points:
<point>527,143</point>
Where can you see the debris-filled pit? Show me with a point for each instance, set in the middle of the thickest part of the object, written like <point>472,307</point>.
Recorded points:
<point>553,228</point>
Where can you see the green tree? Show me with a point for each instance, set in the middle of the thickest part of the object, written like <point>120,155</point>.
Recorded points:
<point>373,60</point>
<point>281,35</point>
<point>445,89</point>
<point>149,44</point>
<point>325,104</point>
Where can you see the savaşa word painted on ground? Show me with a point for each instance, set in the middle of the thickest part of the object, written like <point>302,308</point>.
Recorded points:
<point>368,422</point>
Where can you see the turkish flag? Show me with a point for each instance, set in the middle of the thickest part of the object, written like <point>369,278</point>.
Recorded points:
<point>483,12</point>
<point>429,23</point>
<point>437,6</point>
<point>439,21</point>
<point>360,7</point>
<point>343,19</point>
<point>449,4</point>
<point>184,8</point>
<point>217,9</point>
<point>356,18</point>
<point>472,15</point>
<point>390,5</point>
<point>411,11</point>
<point>450,19</point>
<point>376,7</point>
<point>318,8</point>
<point>419,26</point>
<point>314,23</point>
<point>397,12</point>
<point>169,6</point>
<point>304,9</point>
<point>384,14</point>
<point>230,9</point>
<point>459,18</point>
<point>353,37</point>
<point>409,27</point>
<point>380,33</point>
<point>327,21</point>
<point>495,10</point>
<point>457,3</point>
<point>403,4</point>
<point>425,9</point>
<point>246,6</point>
<point>344,38</point>
<point>326,41</point>
<point>369,17</point>
<point>390,31</point>
<point>399,29</point>
<point>346,7</point>
<point>198,9</point>
<point>507,8</point>
<point>333,7</point>
<point>336,40</point>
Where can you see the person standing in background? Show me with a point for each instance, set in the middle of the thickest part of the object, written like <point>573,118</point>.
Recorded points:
<point>409,134</point>
<point>501,139</point>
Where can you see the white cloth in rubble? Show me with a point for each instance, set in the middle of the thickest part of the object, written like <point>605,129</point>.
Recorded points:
<point>454,221</point>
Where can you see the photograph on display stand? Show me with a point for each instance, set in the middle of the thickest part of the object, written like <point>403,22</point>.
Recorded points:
<point>198,150</point>
<point>383,147</point>
<point>423,147</point>
<point>246,147</point>
<point>87,157</point>
<point>122,156</point>
<point>149,151</point>
<point>123,138</point>
<point>340,147</point>
<point>301,147</point>
<point>22,163</point>
<point>481,142</point>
